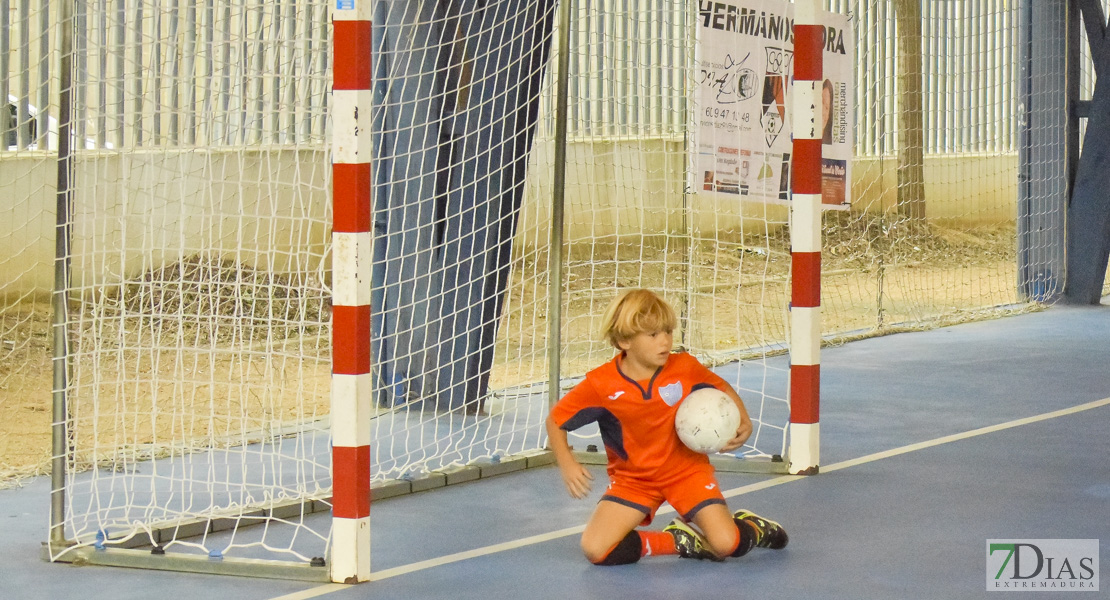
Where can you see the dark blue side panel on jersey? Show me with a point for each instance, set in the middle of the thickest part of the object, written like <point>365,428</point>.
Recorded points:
<point>611,433</point>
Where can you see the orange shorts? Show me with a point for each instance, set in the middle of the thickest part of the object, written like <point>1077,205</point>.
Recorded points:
<point>688,492</point>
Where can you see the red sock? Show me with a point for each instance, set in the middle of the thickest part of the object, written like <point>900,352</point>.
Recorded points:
<point>656,543</point>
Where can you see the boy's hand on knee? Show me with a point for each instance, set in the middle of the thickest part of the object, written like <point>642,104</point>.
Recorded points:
<point>577,479</point>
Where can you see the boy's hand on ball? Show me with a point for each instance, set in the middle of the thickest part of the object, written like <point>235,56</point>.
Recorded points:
<point>743,432</point>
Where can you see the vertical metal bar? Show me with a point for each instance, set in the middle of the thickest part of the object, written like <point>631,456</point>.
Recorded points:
<point>102,75</point>
<point>62,230</point>
<point>577,89</point>
<point>207,128</point>
<point>1042,160</point>
<point>306,87</point>
<point>555,253</point>
<point>238,62</point>
<point>637,67</point>
<point>619,40</point>
<point>652,101</point>
<point>120,106</point>
<point>223,112</point>
<point>928,38</point>
<point>966,82</point>
<point>679,55</point>
<point>984,75</point>
<point>296,122</point>
<point>81,88</point>
<point>43,96</point>
<point>592,72</point>
<point>605,68</point>
<point>136,75</point>
<point>241,99</point>
<point>289,119</point>
<point>1072,60</point>
<point>955,79</point>
<point>970,84</point>
<point>320,90</point>
<point>1026,260</point>
<point>945,89</point>
<point>679,52</point>
<point>1011,76</point>
<point>867,70</point>
<point>24,95</point>
<point>5,72</point>
<point>190,71</point>
<point>862,87</point>
<point>644,105</point>
<point>879,64</point>
<point>1001,75</point>
<point>888,111</point>
<point>688,17</point>
<point>658,71</point>
<point>676,15</point>
<point>989,41</point>
<point>971,78</point>
<point>155,69</point>
<point>998,72</point>
<point>975,80</point>
<point>939,75</point>
<point>261,47</point>
<point>175,75</point>
<point>280,58</point>
<point>878,67</point>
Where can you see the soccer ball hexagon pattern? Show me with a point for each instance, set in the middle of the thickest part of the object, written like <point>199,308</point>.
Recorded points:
<point>706,420</point>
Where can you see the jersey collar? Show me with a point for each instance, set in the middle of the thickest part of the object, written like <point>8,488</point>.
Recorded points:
<point>646,394</point>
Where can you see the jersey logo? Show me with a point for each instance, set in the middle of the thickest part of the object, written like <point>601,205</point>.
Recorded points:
<point>617,395</point>
<point>671,393</point>
<point>710,486</point>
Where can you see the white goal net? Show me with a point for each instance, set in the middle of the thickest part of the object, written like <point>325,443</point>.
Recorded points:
<point>197,376</point>
<point>198,314</point>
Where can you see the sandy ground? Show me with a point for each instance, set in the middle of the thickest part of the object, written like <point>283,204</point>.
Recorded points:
<point>733,296</point>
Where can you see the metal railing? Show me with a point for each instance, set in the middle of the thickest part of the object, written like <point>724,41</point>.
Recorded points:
<point>154,73</point>
<point>181,73</point>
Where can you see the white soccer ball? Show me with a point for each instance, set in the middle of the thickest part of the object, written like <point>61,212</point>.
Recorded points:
<point>706,420</point>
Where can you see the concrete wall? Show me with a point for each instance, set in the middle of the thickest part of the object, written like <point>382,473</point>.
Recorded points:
<point>135,212</point>
<point>268,208</point>
<point>960,189</point>
<point>27,198</point>
<point>604,179</point>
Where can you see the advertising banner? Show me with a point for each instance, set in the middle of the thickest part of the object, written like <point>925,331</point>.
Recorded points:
<point>744,70</point>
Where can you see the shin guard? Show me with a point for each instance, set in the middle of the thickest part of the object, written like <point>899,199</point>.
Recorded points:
<point>627,551</point>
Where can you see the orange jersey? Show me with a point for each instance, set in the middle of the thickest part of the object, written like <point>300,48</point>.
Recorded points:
<point>636,419</point>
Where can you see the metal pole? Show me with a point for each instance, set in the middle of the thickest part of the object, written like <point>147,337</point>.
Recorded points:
<point>805,241</point>
<point>1043,168</point>
<point>1072,62</point>
<point>66,34</point>
<point>1025,258</point>
<point>555,254</point>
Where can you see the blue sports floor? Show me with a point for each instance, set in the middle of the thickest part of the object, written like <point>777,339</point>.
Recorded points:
<point>932,443</point>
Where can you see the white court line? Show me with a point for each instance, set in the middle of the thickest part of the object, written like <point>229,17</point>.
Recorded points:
<point>747,489</point>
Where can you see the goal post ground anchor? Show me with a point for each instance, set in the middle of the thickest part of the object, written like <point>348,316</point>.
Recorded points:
<point>187,563</point>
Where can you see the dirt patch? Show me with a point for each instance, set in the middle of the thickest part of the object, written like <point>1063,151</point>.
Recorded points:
<point>215,348</point>
<point>25,389</point>
<point>199,353</point>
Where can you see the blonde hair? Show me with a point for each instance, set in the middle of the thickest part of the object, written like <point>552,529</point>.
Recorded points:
<point>636,311</point>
